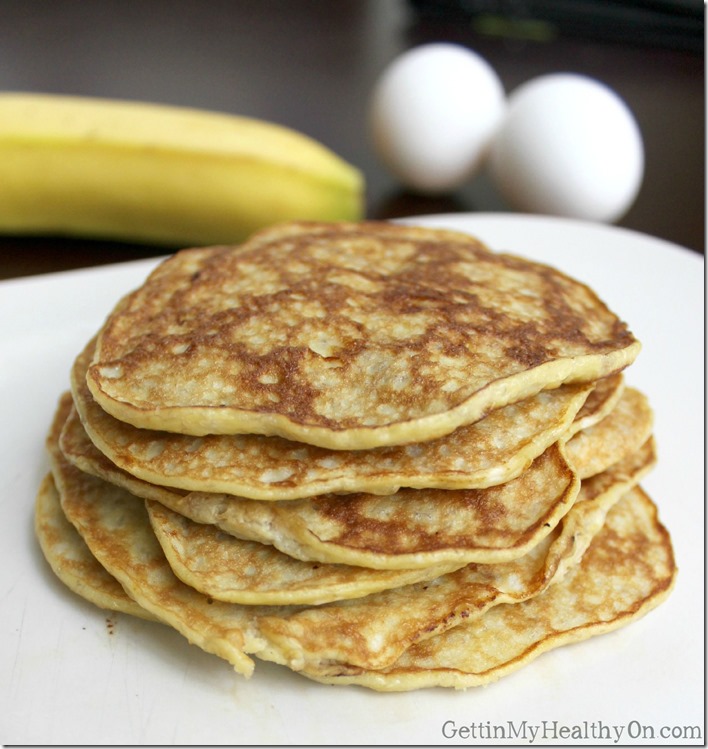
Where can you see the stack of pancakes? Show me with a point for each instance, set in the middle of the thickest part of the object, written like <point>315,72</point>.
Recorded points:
<point>375,454</point>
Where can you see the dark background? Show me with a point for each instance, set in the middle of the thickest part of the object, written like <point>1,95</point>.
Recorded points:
<point>311,65</point>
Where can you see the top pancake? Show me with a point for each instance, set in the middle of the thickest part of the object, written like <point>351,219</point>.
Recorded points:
<point>347,336</point>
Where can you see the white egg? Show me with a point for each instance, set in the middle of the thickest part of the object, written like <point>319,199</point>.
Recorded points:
<point>432,115</point>
<point>568,146</point>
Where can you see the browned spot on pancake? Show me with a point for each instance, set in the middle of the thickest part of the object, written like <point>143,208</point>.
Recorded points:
<point>391,534</point>
<point>421,521</point>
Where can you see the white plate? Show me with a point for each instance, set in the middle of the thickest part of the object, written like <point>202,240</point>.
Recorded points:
<point>71,674</point>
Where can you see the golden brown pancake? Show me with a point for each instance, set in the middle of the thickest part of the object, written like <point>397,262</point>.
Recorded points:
<point>71,560</point>
<point>628,570</point>
<point>347,336</point>
<point>491,451</point>
<point>374,454</point>
<point>229,569</point>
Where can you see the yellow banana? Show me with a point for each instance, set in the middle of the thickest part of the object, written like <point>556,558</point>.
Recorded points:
<point>152,173</point>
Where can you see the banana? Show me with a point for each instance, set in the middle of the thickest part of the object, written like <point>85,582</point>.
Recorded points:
<point>158,174</point>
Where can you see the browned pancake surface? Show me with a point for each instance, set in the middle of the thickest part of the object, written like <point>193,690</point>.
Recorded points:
<point>347,336</point>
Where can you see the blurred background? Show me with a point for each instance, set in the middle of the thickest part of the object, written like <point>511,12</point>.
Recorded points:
<point>312,64</point>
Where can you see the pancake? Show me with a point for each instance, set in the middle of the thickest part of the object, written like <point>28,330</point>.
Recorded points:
<point>491,451</point>
<point>71,560</point>
<point>347,336</point>
<point>628,570</point>
<point>229,569</point>
<point>620,433</point>
<point>412,528</point>
<point>379,628</point>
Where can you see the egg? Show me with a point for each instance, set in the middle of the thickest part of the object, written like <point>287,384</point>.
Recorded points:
<point>432,114</point>
<point>568,146</point>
